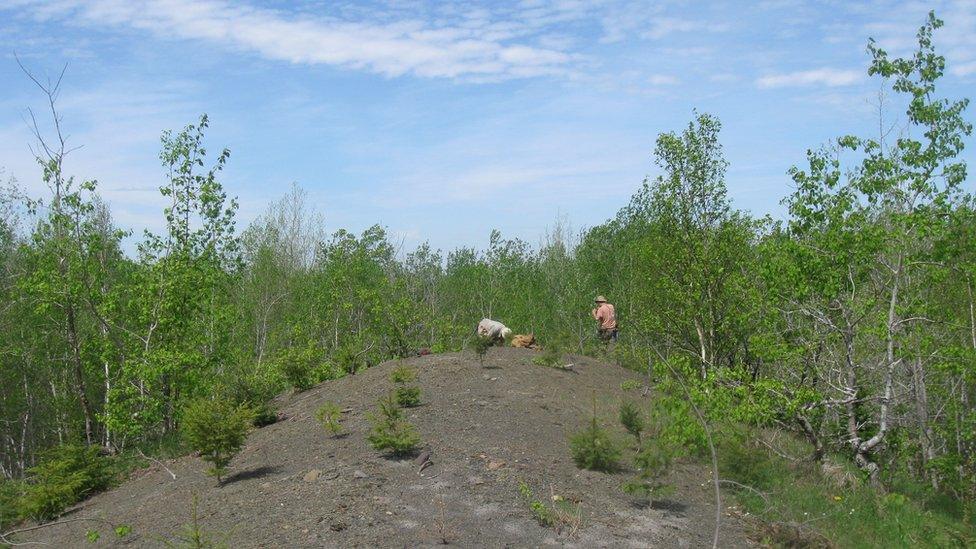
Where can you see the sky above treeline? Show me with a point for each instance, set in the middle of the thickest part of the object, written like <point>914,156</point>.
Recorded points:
<point>445,120</point>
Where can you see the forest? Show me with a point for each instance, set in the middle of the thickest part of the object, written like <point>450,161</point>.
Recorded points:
<point>850,323</point>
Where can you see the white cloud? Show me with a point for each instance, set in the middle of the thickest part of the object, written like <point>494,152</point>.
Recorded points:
<point>477,48</point>
<point>964,69</point>
<point>662,80</point>
<point>823,77</point>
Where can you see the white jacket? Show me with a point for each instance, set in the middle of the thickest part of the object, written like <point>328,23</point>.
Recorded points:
<point>493,329</point>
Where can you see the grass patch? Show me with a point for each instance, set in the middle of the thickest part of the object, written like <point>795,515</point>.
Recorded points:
<point>795,504</point>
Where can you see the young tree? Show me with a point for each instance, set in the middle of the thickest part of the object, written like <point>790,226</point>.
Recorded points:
<point>861,234</point>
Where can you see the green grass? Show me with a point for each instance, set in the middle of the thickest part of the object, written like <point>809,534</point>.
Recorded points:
<point>854,516</point>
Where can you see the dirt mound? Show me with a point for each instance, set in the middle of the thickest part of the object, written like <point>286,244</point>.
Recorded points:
<point>486,429</point>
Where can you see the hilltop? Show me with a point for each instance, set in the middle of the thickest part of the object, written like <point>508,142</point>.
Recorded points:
<point>486,429</point>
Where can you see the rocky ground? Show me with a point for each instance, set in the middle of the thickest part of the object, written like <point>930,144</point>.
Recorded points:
<point>485,429</point>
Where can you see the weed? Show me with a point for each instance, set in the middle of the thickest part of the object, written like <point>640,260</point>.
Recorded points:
<point>559,514</point>
<point>330,417</point>
<point>194,536</point>
<point>391,432</point>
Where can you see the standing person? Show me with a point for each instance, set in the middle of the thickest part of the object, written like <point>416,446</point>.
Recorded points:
<point>606,317</point>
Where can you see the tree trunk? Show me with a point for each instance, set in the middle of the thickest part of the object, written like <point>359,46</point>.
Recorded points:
<point>79,371</point>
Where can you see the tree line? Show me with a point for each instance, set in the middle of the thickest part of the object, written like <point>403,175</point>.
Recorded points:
<point>851,322</point>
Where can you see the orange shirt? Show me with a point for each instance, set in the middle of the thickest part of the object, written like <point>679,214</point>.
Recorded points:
<point>607,316</point>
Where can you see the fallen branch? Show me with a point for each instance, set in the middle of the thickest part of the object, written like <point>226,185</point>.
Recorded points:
<point>5,536</point>
<point>160,463</point>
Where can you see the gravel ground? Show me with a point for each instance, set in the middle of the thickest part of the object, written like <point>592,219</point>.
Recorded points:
<point>486,429</point>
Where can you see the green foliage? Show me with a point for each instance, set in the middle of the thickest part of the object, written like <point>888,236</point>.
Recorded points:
<point>593,449</point>
<point>66,475</point>
<point>391,432</point>
<point>540,512</point>
<point>217,430</point>
<point>408,396</point>
<point>551,356</point>
<point>403,374</point>
<point>194,536</point>
<point>91,536</point>
<point>10,494</point>
<point>781,491</point>
<point>298,365</point>
<point>329,415</point>
<point>630,385</point>
<point>630,418</point>
<point>479,346</point>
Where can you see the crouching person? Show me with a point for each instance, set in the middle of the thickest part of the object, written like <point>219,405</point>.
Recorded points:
<point>494,331</point>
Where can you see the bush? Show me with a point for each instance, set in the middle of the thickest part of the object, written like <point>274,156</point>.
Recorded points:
<point>391,432</point>
<point>297,364</point>
<point>551,356</point>
<point>630,418</point>
<point>593,449</point>
<point>403,374</point>
<point>217,430</point>
<point>330,416</point>
<point>408,396</point>
<point>66,475</point>
<point>10,493</point>
<point>480,346</point>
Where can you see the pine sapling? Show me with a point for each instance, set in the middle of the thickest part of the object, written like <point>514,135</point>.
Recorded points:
<point>631,419</point>
<point>391,432</point>
<point>330,417</point>
<point>593,449</point>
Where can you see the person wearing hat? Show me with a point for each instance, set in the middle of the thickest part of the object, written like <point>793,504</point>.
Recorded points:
<point>606,316</point>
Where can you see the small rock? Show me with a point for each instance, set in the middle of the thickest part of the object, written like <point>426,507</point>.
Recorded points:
<point>359,474</point>
<point>265,485</point>
<point>495,465</point>
<point>312,475</point>
<point>337,526</point>
<point>476,481</point>
<point>382,500</point>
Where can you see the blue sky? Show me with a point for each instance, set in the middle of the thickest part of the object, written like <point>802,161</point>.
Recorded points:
<point>444,120</point>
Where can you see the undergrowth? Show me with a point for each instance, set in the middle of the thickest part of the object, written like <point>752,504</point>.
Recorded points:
<point>794,503</point>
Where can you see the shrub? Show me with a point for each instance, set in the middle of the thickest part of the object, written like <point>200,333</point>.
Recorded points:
<point>593,449</point>
<point>630,418</point>
<point>408,396</point>
<point>480,346</point>
<point>10,493</point>
<point>264,415</point>
<point>330,416</point>
<point>403,374</point>
<point>551,356</point>
<point>391,432</point>
<point>216,429</point>
<point>349,360</point>
<point>66,475</point>
<point>630,385</point>
<point>297,365</point>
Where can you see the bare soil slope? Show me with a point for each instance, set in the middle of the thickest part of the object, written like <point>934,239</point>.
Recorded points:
<point>485,428</point>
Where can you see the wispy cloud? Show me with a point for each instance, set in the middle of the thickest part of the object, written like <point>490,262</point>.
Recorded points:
<point>473,45</point>
<point>822,77</point>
